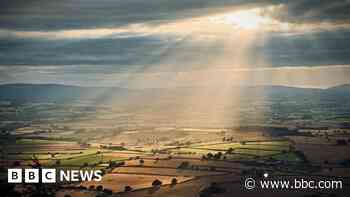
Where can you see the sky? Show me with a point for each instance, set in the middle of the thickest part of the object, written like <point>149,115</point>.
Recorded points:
<point>175,43</point>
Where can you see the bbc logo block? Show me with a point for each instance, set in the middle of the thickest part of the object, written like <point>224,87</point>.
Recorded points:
<point>31,176</point>
<point>14,175</point>
<point>48,175</point>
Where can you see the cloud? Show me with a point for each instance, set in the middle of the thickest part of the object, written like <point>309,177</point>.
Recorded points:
<point>102,51</point>
<point>309,48</point>
<point>124,39</point>
<point>78,14</point>
<point>46,15</point>
<point>179,52</point>
<point>313,11</point>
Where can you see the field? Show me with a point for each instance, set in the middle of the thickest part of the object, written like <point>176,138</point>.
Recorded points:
<point>192,164</point>
<point>117,182</point>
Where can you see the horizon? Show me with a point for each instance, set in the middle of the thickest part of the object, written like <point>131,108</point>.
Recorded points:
<point>200,87</point>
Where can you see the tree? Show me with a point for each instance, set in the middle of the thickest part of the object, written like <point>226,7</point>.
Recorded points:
<point>99,188</point>
<point>156,183</point>
<point>218,155</point>
<point>229,151</point>
<point>210,155</point>
<point>127,188</point>
<point>141,161</point>
<point>173,181</point>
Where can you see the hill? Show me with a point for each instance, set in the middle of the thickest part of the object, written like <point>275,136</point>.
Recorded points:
<point>65,93</point>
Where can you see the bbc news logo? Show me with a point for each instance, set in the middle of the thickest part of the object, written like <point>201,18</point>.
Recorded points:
<point>51,175</point>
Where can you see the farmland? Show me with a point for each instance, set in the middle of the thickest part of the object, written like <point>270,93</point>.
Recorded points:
<point>223,160</point>
<point>139,145</point>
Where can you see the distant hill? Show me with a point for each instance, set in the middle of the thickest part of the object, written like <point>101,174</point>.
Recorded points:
<point>64,93</point>
<point>344,87</point>
<point>285,91</point>
<point>55,92</point>
<point>341,92</point>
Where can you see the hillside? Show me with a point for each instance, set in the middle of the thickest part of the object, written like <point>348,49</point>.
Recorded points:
<point>64,93</point>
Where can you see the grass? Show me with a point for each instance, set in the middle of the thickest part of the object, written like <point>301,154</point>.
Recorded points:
<point>254,145</point>
<point>117,182</point>
<point>91,159</point>
<point>291,156</point>
<point>255,152</point>
<point>246,151</point>
<point>40,142</point>
<point>81,160</point>
<point>222,147</point>
<point>237,157</point>
<point>66,158</point>
<point>271,143</point>
<point>192,151</point>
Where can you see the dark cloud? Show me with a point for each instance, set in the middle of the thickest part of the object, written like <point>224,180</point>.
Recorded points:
<point>307,49</point>
<point>123,52</point>
<point>189,52</point>
<point>119,51</point>
<point>314,11</point>
<point>42,15</point>
<point>77,14</point>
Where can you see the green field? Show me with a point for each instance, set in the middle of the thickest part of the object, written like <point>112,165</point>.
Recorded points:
<point>275,150</point>
<point>61,157</point>
<point>41,142</point>
<point>92,159</point>
<point>271,145</point>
